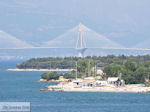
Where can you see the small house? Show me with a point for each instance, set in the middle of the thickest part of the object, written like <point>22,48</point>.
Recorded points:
<point>100,83</point>
<point>61,78</point>
<point>100,72</point>
<point>89,78</point>
<point>78,82</point>
<point>114,81</point>
<point>88,83</point>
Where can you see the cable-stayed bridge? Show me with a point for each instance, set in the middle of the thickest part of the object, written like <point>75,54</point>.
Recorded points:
<point>81,39</point>
<point>62,52</point>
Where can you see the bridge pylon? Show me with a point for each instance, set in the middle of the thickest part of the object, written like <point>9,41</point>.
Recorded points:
<point>81,43</point>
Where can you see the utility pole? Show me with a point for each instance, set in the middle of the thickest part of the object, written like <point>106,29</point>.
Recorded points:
<point>76,70</point>
<point>120,76</point>
<point>50,65</point>
<point>89,69</point>
<point>95,70</point>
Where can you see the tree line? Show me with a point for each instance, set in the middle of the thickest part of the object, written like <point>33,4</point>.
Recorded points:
<point>131,72</point>
<point>55,76</point>
<point>133,69</point>
<point>69,62</point>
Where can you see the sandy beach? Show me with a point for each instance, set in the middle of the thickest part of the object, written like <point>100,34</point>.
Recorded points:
<point>16,69</point>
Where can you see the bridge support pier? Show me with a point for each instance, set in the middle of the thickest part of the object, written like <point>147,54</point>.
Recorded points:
<point>81,52</point>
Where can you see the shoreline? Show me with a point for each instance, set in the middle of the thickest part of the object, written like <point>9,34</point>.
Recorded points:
<point>132,88</point>
<point>50,70</point>
<point>100,89</point>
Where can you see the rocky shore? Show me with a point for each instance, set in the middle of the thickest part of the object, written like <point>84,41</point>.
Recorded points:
<point>50,81</point>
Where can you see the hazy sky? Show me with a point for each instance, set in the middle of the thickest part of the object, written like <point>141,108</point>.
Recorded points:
<point>125,21</point>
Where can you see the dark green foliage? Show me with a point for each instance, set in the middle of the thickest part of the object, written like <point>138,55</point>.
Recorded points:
<point>131,72</point>
<point>69,62</point>
<point>50,76</point>
<point>48,63</point>
<point>55,75</point>
<point>134,69</point>
<point>130,66</point>
<point>112,70</point>
<point>82,65</point>
<point>69,76</point>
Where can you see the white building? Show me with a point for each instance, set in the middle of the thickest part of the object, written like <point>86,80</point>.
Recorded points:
<point>78,82</point>
<point>114,81</point>
<point>100,72</point>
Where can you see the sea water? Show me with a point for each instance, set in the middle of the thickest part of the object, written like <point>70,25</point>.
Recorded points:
<point>23,87</point>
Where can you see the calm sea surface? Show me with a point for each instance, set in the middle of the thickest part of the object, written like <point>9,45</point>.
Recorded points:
<point>23,87</point>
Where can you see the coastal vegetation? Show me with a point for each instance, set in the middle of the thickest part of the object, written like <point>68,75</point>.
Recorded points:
<point>55,75</point>
<point>69,62</point>
<point>131,72</point>
<point>50,76</point>
<point>132,69</point>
